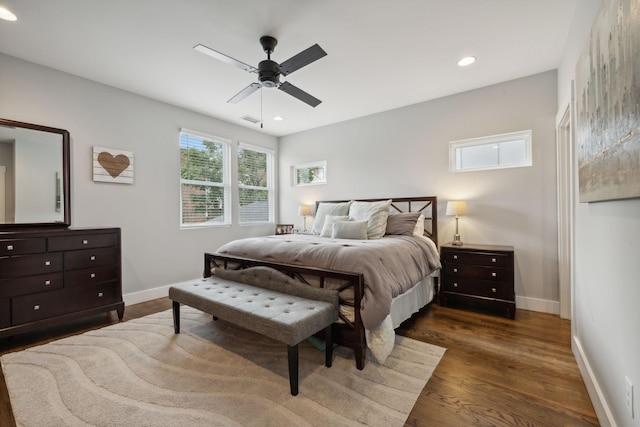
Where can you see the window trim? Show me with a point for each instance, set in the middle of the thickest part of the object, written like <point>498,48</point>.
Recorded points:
<point>225,184</point>
<point>525,135</point>
<point>271,154</point>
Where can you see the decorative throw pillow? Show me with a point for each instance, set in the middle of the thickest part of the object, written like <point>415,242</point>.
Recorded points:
<point>402,224</point>
<point>375,213</point>
<point>328,223</point>
<point>419,229</point>
<point>325,209</point>
<point>349,230</point>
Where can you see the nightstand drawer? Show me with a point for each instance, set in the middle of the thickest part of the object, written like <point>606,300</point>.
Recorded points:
<point>476,272</point>
<point>487,259</point>
<point>476,287</point>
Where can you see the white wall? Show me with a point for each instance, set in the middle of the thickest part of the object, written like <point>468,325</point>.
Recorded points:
<point>404,152</point>
<point>606,283</point>
<point>155,251</point>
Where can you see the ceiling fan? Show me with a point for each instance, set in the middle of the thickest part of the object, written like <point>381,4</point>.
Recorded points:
<point>269,71</point>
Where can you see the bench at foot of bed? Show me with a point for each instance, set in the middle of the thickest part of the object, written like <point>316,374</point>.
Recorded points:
<point>265,301</point>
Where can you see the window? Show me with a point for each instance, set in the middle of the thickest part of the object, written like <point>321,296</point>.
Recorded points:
<point>309,174</point>
<point>509,150</point>
<point>205,192</point>
<point>255,184</point>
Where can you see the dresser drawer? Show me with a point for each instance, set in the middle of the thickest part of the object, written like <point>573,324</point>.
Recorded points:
<point>27,265</point>
<point>476,287</point>
<point>29,308</point>
<point>477,272</point>
<point>90,275</point>
<point>66,243</point>
<point>87,258</point>
<point>5,313</point>
<point>10,247</point>
<point>30,284</point>
<point>487,259</point>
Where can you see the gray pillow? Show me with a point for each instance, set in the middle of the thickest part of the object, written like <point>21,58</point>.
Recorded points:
<point>327,228</point>
<point>349,230</point>
<point>402,224</point>
<point>325,209</point>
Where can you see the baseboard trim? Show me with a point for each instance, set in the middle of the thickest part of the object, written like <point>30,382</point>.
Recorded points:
<point>536,304</point>
<point>146,295</point>
<point>605,417</point>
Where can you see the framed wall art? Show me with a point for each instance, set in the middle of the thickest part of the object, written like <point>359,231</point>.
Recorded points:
<point>112,165</point>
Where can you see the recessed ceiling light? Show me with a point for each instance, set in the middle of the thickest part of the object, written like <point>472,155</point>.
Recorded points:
<point>7,15</point>
<point>278,118</point>
<point>467,60</point>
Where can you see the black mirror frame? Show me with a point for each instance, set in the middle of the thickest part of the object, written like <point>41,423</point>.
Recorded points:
<point>66,176</point>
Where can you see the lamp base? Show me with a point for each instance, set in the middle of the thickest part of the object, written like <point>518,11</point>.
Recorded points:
<point>456,240</point>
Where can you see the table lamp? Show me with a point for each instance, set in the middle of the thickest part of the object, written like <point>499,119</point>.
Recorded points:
<point>456,207</point>
<point>303,211</point>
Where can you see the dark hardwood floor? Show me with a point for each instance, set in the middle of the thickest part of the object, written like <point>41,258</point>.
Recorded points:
<point>496,371</point>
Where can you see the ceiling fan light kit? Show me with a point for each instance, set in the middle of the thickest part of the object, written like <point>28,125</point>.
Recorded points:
<point>269,71</point>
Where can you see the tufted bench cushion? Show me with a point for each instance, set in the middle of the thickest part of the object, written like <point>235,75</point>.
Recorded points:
<point>265,301</point>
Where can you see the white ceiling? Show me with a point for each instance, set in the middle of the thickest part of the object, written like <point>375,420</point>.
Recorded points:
<point>381,54</point>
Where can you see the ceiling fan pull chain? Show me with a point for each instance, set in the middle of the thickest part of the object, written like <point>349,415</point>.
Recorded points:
<point>261,113</point>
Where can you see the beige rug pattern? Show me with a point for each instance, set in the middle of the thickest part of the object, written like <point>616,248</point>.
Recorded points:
<point>139,373</point>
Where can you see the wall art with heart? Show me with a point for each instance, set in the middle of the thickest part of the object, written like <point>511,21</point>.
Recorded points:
<point>112,165</point>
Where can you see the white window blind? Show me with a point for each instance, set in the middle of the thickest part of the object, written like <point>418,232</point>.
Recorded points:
<point>205,192</point>
<point>255,185</point>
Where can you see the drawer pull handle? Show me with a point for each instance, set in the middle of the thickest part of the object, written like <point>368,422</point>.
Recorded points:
<point>100,294</point>
<point>455,285</point>
<point>9,247</point>
<point>47,263</point>
<point>455,257</point>
<point>93,275</point>
<point>93,257</point>
<point>455,270</point>
<point>493,260</point>
<point>47,282</point>
<point>494,290</point>
<point>494,274</point>
<point>36,307</point>
<point>85,242</point>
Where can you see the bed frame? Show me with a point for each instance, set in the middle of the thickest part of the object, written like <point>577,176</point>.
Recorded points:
<point>347,333</point>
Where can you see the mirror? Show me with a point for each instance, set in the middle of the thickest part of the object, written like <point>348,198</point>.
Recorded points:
<point>34,175</point>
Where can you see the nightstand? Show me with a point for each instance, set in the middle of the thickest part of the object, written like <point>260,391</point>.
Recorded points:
<point>479,276</point>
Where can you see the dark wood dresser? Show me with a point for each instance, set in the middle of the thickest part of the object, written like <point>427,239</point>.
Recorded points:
<point>478,276</point>
<point>49,276</point>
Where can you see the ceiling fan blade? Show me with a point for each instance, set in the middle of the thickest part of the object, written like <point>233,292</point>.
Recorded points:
<point>298,61</point>
<point>299,93</point>
<point>244,93</point>
<point>224,58</point>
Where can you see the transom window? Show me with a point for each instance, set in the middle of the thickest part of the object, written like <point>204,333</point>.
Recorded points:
<point>509,150</point>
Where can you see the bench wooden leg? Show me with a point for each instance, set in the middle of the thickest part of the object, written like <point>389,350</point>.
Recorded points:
<point>328,343</point>
<point>292,352</point>
<point>176,317</point>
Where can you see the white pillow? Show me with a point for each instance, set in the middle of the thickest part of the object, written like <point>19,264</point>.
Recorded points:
<point>325,209</point>
<point>375,213</point>
<point>419,228</point>
<point>328,223</point>
<point>349,230</point>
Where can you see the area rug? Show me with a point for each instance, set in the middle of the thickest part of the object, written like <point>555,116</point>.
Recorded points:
<point>139,373</point>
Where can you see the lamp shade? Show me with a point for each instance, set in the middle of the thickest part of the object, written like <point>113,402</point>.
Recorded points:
<point>456,207</point>
<point>304,210</point>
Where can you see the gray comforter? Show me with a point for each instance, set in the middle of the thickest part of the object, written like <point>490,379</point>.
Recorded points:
<point>390,265</point>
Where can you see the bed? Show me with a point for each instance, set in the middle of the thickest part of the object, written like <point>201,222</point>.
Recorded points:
<point>381,254</point>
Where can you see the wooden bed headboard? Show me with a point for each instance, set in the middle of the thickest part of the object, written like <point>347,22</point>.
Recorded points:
<point>427,205</point>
